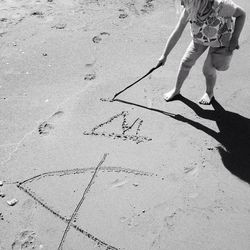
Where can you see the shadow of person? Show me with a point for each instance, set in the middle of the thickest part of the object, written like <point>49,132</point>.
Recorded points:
<point>233,134</point>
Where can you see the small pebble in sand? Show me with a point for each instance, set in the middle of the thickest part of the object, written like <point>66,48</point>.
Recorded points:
<point>36,13</point>
<point>1,183</point>
<point>2,195</point>
<point>12,202</point>
<point>44,54</point>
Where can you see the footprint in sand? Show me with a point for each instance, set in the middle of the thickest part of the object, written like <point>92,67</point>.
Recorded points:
<point>45,127</point>
<point>148,6</point>
<point>123,14</point>
<point>89,77</point>
<point>26,240</point>
<point>104,33</point>
<point>98,38</point>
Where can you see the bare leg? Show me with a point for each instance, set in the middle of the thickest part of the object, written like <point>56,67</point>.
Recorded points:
<point>209,72</point>
<point>193,52</point>
<point>182,75</point>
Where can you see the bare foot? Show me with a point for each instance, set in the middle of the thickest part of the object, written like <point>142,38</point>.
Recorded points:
<point>206,99</point>
<point>171,94</point>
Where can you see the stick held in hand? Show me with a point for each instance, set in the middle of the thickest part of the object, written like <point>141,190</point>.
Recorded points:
<point>150,71</point>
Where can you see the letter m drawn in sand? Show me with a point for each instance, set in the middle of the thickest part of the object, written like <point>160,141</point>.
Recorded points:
<point>119,123</point>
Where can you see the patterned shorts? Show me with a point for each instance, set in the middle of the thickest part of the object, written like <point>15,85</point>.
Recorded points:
<point>217,57</point>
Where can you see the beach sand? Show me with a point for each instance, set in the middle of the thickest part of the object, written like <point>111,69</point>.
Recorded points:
<point>136,173</point>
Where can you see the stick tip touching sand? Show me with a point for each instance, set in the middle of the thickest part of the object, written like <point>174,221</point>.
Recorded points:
<point>107,99</point>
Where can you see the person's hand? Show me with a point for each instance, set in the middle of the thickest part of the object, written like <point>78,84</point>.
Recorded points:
<point>161,61</point>
<point>233,44</point>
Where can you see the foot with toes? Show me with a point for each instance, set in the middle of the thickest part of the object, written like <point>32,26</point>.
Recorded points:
<point>206,99</point>
<point>171,95</point>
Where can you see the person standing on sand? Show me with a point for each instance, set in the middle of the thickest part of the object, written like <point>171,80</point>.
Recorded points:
<point>215,25</point>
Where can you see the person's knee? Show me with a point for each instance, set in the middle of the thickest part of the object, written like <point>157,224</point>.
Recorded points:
<point>221,62</point>
<point>187,64</point>
<point>209,71</point>
<point>221,67</point>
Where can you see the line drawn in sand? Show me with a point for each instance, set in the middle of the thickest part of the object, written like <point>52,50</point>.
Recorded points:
<point>80,202</point>
<point>71,220</point>
<point>125,128</point>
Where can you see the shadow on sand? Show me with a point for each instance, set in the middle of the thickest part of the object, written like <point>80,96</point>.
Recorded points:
<point>233,135</point>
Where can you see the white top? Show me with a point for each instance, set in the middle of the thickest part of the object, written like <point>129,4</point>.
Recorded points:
<point>215,27</point>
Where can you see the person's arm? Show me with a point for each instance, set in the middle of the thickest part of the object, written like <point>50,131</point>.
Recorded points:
<point>174,37</point>
<point>240,16</point>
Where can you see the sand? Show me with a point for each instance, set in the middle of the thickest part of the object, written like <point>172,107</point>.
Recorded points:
<point>134,174</point>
